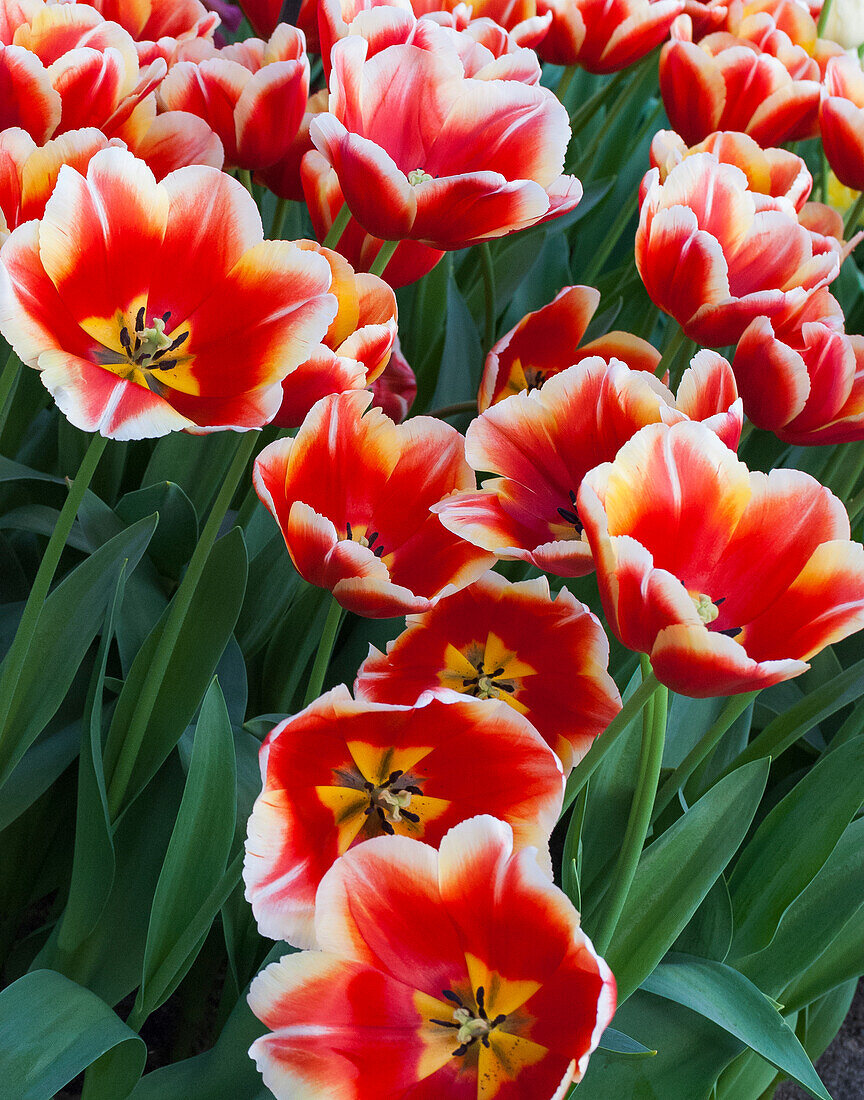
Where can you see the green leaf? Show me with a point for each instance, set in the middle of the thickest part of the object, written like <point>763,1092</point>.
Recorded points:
<point>202,640</point>
<point>709,933</point>
<point>42,764</point>
<point>721,994</point>
<point>52,1029</point>
<point>462,359</point>
<point>291,648</point>
<point>93,861</point>
<point>197,463</point>
<point>677,871</point>
<point>808,822</point>
<point>841,961</point>
<point>197,853</point>
<point>174,539</point>
<point>616,1042</point>
<point>67,626</point>
<point>571,861</point>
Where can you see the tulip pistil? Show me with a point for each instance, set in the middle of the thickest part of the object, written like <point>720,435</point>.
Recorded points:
<point>418,176</point>
<point>390,800</point>
<point>706,609</point>
<point>148,347</point>
<point>470,1024</point>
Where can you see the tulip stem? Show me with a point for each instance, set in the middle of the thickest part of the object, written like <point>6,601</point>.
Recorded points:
<point>854,216</point>
<point>245,177</point>
<point>591,761</point>
<point>731,712</point>
<point>325,651</point>
<point>278,219</point>
<point>674,339</point>
<point>650,759</point>
<point>385,254</point>
<point>856,506</point>
<point>178,609</point>
<point>8,384</point>
<point>453,410</point>
<point>823,17</point>
<point>564,82</point>
<point>334,233</point>
<point>17,654</point>
<point>489,292</point>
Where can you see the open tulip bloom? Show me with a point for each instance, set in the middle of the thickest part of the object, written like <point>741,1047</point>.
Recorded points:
<point>454,973</point>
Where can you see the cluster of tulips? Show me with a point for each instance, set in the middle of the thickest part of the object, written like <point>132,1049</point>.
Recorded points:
<point>401,836</point>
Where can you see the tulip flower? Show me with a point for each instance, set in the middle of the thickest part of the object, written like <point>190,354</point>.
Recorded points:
<point>804,381</point>
<point>714,254</point>
<point>462,973</point>
<point>148,20</point>
<point>283,177</point>
<point>324,199</point>
<point>352,493</point>
<point>395,388</point>
<point>729,580</point>
<point>845,24</point>
<point>758,82</point>
<point>604,36</point>
<point>774,172</point>
<point>541,444</point>
<point>342,772</point>
<point>357,345</point>
<point>253,95</point>
<point>546,341</point>
<point>464,160</point>
<point>545,658</point>
<point>174,139</point>
<point>841,120</point>
<point>265,15</point>
<point>148,307</point>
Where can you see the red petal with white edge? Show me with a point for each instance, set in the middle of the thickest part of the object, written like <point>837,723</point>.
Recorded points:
<point>831,365</point>
<point>27,98</point>
<point>707,392</point>
<point>637,353</point>
<point>262,320</point>
<point>212,222</point>
<point>700,663</point>
<point>693,90</point>
<point>842,129</point>
<point>563,558</point>
<point>457,211</point>
<point>341,1029</point>
<point>823,605</point>
<point>324,373</point>
<point>790,114</point>
<point>90,84</point>
<point>176,139</point>
<point>377,193</point>
<point>252,409</point>
<point>380,904</point>
<point>210,90</point>
<point>772,377</point>
<point>95,400</point>
<point>33,317</point>
<point>100,237</point>
<point>634,37</point>
<point>39,173</point>
<point>269,112</point>
<point>789,514</point>
<point>523,944</point>
<point>480,518</point>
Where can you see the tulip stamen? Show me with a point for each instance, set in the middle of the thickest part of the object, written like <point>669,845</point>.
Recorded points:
<point>149,348</point>
<point>472,1025</point>
<point>487,685</point>
<point>364,540</point>
<point>390,800</point>
<point>570,515</point>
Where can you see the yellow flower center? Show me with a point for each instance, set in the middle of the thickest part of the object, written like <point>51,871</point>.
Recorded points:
<point>470,1024</point>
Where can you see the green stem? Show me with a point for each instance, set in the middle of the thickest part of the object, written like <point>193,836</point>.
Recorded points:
<point>847,476</point>
<point>489,292</point>
<point>564,82</point>
<point>325,651</point>
<point>634,88</point>
<point>674,339</point>
<point>747,429</point>
<point>453,410</point>
<point>8,382</point>
<point>173,624</point>
<point>245,177</point>
<point>731,712</point>
<point>856,506</point>
<point>853,217</point>
<point>385,254</point>
<point>278,219</point>
<point>823,17</point>
<point>823,178</point>
<point>602,744</point>
<point>15,658</point>
<point>651,756</point>
<point>334,233</point>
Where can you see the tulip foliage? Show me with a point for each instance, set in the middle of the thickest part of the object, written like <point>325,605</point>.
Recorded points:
<point>431,561</point>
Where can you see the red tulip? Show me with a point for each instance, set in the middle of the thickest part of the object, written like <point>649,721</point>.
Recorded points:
<point>841,120</point>
<point>341,772</point>
<point>714,254</point>
<point>546,341</point>
<point>352,495</point>
<point>395,388</point>
<point>730,581</point>
<point>466,160</point>
<point>460,973</point>
<point>603,36</point>
<point>804,381</point>
<point>411,260</point>
<point>545,658</point>
<point>541,444</point>
<point>148,20</point>
<point>283,177</point>
<point>265,15</point>
<point>253,94</point>
<point>149,307</point>
<point>356,348</point>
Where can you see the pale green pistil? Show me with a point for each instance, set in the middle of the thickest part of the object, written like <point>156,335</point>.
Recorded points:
<point>471,1027</point>
<point>418,176</point>
<point>706,609</point>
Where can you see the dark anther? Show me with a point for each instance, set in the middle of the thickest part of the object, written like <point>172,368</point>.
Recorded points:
<point>378,551</point>
<point>411,817</point>
<point>348,529</point>
<point>166,316</point>
<point>137,347</point>
<point>732,631</point>
<point>139,320</point>
<point>413,790</point>
<point>393,776</point>
<point>505,687</point>
<point>569,517</point>
<point>498,671</point>
<point>373,537</point>
<point>370,809</point>
<point>385,824</point>
<point>367,786</point>
<point>721,600</point>
<point>484,1039</point>
<point>498,1020</point>
<point>181,339</point>
<point>445,1023</point>
<point>451,996</point>
<point>573,498</point>
<point>124,338</point>
<point>481,997</point>
<point>472,681</point>
<point>459,1051</point>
